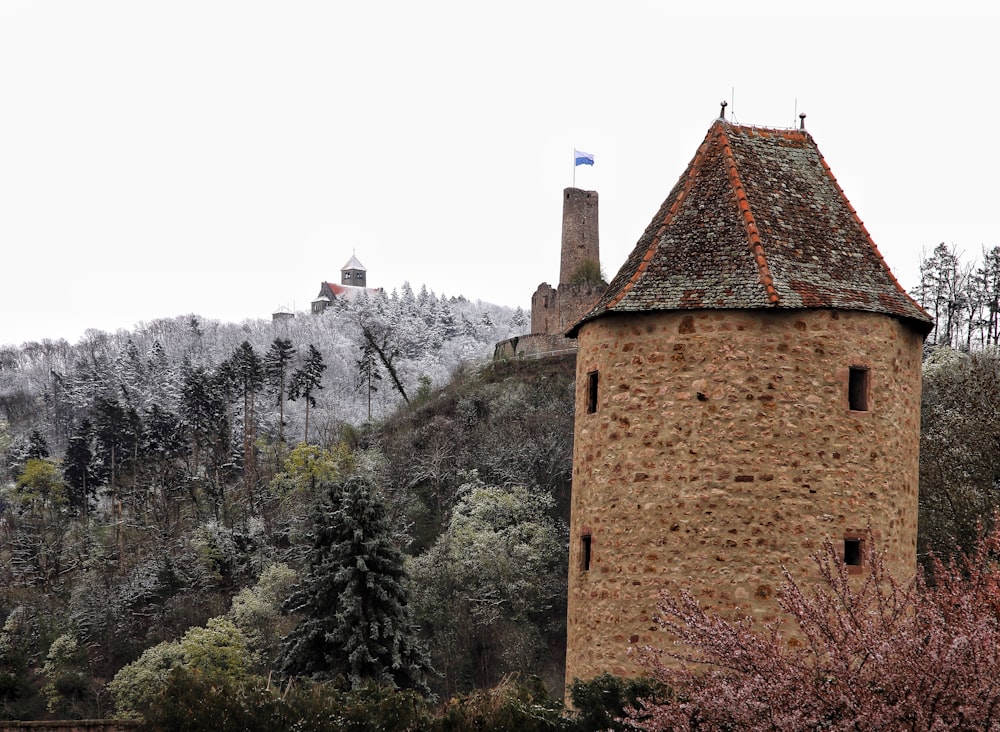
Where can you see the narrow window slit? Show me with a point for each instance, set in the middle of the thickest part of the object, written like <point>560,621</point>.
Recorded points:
<point>852,551</point>
<point>857,389</point>
<point>591,392</point>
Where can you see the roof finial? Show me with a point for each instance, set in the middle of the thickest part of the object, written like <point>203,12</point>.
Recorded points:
<point>722,112</point>
<point>802,120</point>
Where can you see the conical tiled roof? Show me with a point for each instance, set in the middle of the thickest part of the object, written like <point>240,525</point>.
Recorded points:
<point>757,221</point>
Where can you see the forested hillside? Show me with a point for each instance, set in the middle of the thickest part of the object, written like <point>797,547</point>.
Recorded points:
<point>177,502</point>
<point>158,492</point>
<point>960,409</point>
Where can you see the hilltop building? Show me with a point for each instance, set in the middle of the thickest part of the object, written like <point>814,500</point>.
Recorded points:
<point>748,386</point>
<point>555,310</point>
<point>282,314</point>
<point>353,282</point>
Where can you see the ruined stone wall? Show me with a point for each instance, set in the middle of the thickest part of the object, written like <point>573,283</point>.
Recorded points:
<point>545,310</point>
<point>536,345</point>
<point>556,311</point>
<point>723,447</point>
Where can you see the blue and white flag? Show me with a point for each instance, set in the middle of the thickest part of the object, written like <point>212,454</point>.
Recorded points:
<point>583,158</point>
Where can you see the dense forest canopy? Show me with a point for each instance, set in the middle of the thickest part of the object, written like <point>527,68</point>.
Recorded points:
<point>47,386</point>
<point>149,476</point>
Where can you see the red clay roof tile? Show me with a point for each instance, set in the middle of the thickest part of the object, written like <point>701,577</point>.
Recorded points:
<point>756,221</point>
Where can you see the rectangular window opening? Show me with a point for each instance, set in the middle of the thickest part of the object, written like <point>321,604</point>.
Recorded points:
<point>852,551</point>
<point>585,552</point>
<point>591,392</point>
<point>857,389</point>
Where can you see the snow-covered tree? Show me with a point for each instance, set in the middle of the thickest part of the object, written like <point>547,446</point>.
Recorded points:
<point>353,597</point>
<point>493,586</point>
<point>276,371</point>
<point>959,435</point>
<point>216,651</point>
<point>306,381</point>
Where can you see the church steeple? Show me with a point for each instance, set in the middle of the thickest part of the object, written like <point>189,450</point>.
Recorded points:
<point>353,273</point>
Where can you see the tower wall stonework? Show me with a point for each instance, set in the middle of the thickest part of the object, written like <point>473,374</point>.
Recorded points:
<point>556,311</point>
<point>721,447</point>
<point>575,301</point>
<point>580,241</point>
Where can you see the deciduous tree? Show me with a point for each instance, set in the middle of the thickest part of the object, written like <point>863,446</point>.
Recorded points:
<point>490,592</point>
<point>856,653</point>
<point>959,437</point>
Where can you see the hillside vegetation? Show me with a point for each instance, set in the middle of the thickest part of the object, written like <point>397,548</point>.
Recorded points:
<point>160,486</point>
<point>182,507</point>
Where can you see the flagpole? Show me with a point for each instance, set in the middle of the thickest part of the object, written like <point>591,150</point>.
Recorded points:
<point>574,168</point>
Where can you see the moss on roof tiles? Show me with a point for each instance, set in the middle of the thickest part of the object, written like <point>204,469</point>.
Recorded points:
<point>757,221</point>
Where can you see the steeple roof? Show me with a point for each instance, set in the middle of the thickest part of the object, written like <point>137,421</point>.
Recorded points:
<point>353,264</point>
<point>757,221</point>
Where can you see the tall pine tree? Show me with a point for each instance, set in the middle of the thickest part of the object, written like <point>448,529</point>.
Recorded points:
<point>276,363</point>
<point>307,380</point>
<point>353,598</point>
<point>246,369</point>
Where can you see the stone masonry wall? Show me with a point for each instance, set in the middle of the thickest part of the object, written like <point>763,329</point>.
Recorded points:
<point>556,311</point>
<point>545,310</point>
<point>536,345</point>
<point>575,301</point>
<point>723,447</point>
<point>580,229</point>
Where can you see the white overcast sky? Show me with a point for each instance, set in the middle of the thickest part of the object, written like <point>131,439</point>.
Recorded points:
<point>223,158</point>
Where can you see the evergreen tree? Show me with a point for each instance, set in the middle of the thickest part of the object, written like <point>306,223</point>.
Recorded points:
<point>206,425</point>
<point>247,372</point>
<point>116,430</point>
<point>38,447</point>
<point>368,373</point>
<point>307,380</point>
<point>78,470</point>
<point>276,362</point>
<point>353,597</point>
<point>162,450</point>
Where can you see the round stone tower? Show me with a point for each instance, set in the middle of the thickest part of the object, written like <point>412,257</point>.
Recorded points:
<point>747,387</point>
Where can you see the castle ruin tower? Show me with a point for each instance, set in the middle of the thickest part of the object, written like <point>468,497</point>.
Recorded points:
<point>580,243</point>
<point>555,310</point>
<point>748,386</point>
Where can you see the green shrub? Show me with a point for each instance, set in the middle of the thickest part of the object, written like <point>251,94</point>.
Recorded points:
<point>325,708</point>
<point>192,702</point>
<point>588,273</point>
<point>217,652</point>
<point>516,703</point>
<point>601,702</point>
